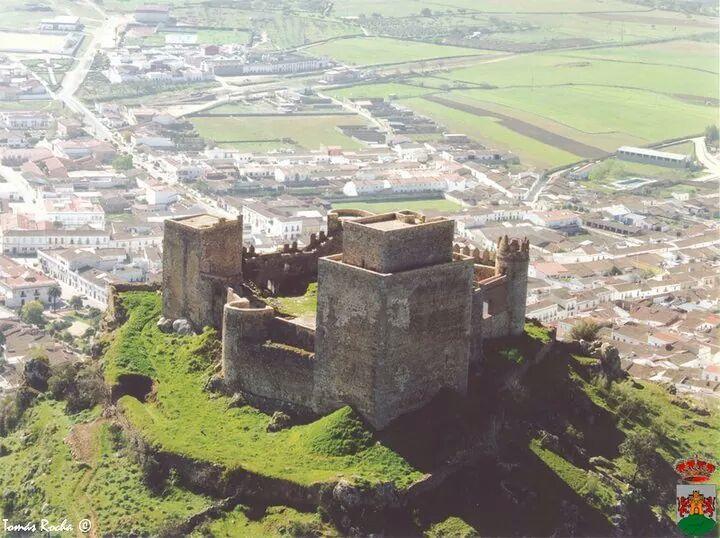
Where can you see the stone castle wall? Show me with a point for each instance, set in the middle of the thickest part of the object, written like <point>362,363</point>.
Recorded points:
<point>270,374</point>
<point>290,270</point>
<point>387,343</point>
<point>205,259</point>
<point>401,312</point>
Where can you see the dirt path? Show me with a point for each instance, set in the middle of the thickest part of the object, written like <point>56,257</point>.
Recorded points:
<point>526,129</point>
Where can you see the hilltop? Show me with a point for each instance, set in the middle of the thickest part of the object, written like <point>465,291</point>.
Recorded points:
<point>543,434</point>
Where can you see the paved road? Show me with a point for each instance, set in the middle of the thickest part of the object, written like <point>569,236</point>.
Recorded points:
<point>709,161</point>
<point>102,37</point>
<point>15,178</point>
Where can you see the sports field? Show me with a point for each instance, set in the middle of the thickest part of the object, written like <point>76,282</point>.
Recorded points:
<point>31,42</point>
<point>439,204</point>
<point>262,133</point>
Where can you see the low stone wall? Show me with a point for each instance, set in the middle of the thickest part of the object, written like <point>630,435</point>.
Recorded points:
<point>115,314</point>
<point>270,374</point>
<point>287,332</point>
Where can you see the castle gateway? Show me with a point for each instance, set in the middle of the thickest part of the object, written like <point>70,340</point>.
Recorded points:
<point>401,312</point>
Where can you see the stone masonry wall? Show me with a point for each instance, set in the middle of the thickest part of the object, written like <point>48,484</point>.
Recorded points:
<point>200,264</point>
<point>402,249</point>
<point>290,270</point>
<point>386,344</point>
<point>271,375</point>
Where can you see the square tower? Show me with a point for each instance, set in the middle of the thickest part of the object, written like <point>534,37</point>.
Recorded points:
<point>393,318</point>
<point>202,257</point>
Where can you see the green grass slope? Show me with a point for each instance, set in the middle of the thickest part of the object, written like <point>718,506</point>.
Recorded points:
<point>76,467</point>
<point>185,419</point>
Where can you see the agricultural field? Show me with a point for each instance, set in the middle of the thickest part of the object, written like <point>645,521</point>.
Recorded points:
<point>492,132</point>
<point>380,50</point>
<point>23,15</point>
<point>307,132</point>
<point>391,90</point>
<point>557,108</point>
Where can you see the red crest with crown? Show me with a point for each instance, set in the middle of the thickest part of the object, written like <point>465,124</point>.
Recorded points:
<point>695,470</point>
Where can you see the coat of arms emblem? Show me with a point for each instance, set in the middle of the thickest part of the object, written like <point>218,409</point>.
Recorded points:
<point>696,507</point>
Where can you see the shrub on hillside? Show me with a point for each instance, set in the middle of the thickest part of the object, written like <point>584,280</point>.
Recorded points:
<point>80,385</point>
<point>585,329</point>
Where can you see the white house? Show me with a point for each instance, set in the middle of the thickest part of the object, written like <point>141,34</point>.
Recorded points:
<point>20,284</point>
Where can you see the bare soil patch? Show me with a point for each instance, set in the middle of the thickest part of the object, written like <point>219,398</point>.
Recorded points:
<point>80,441</point>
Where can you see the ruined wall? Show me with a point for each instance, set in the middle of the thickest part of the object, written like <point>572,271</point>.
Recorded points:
<point>200,263</point>
<point>115,315</point>
<point>288,332</point>
<point>271,375</point>
<point>387,343</point>
<point>290,270</point>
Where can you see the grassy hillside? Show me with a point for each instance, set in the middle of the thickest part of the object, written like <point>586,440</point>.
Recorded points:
<point>555,441</point>
<point>183,418</point>
<point>78,467</point>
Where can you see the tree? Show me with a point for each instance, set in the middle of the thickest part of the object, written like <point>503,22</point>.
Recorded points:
<point>122,162</point>
<point>54,294</point>
<point>711,134</point>
<point>76,302</point>
<point>32,313</point>
<point>426,12</point>
<point>585,329</point>
<point>640,448</point>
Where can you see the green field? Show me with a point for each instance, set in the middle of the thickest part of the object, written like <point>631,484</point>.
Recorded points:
<point>380,50</point>
<point>599,99</point>
<point>306,132</point>
<point>397,90</point>
<point>492,133</point>
<point>398,205</point>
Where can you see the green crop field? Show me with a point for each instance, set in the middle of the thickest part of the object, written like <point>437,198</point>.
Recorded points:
<point>380,50</point>
<point>557,108</point>
<point>307,132</point>
<point>491,132</point>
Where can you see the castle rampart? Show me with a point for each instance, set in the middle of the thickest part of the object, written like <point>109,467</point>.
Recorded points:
<point>271,374</point>
<point>401,313</point>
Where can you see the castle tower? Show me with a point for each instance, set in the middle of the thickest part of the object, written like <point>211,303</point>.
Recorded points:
<point>202,257</point>
<point>512,259</point>
<point>393,318</point>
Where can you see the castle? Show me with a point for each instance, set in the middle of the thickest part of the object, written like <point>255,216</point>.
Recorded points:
<point>401,312</point>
